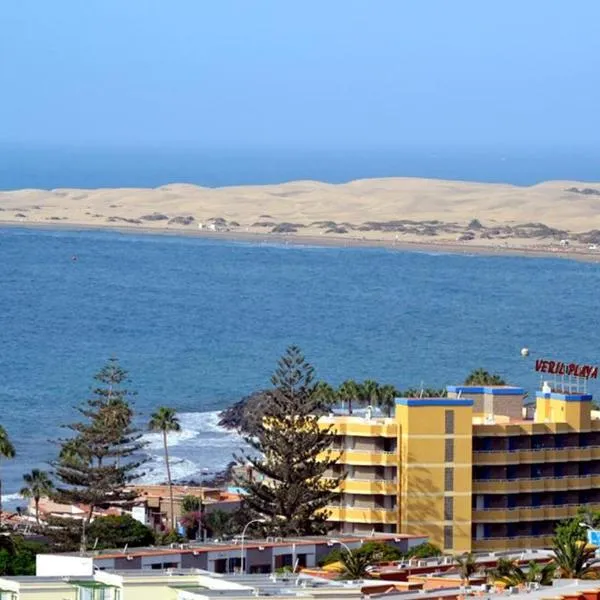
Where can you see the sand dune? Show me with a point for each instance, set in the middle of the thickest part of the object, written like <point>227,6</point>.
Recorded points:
<point>568,206</point>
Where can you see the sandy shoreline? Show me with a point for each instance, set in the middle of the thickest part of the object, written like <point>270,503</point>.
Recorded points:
<point>555,218</point>
<point>324,241</point>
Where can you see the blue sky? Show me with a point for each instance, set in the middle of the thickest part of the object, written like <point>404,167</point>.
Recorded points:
<point>300,73</point>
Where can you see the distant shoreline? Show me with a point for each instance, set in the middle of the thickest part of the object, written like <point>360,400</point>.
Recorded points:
<point>554,218</point>
<point>441,247</point>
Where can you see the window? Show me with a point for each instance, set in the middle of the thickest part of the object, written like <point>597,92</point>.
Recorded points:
<point>449,450</point>
<point>448,508</point>
<point>449,479</point>
<point>449,421</point>
<point>448,537</point>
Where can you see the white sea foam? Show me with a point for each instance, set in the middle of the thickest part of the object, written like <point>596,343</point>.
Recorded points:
<point>201,449</point>
<point>155,470</point>
<point>154,441</point>
<point>11,498</point>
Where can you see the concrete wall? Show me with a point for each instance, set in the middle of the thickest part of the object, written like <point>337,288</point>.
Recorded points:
<point>189,561</point>
<point>56,565</point>
<point>123,564</point>
<point>428,478</point>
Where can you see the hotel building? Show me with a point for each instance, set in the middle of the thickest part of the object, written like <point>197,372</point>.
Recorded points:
<point>476,471</point>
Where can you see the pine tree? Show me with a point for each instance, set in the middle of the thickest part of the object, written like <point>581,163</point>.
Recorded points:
<point>292,455</point>
<point>102,457</point>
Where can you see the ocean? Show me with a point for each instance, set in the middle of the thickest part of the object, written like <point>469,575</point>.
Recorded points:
<point>82,167</point>
<point>200,323</point>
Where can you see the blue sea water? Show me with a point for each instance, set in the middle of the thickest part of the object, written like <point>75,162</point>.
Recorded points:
<point>200,323</point>
<point>58,167</point>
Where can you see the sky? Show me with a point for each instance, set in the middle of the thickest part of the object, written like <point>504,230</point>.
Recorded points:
<point>300,73</point>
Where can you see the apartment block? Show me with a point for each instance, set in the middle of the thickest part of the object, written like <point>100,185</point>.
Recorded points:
<point>475,471</point>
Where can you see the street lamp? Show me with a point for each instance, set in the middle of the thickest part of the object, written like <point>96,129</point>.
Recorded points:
<point>242,557</point>
<point>345,546</point>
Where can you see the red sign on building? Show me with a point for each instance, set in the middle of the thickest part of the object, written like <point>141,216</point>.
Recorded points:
<point>569,369</point>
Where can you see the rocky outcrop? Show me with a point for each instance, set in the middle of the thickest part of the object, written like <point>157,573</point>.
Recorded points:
<point>244,414</point>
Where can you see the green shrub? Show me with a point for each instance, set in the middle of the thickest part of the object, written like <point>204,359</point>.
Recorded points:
<point>425,550</point>
<point>115,531</point>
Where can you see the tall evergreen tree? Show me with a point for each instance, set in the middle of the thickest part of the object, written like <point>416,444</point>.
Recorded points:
<point>292,454</point>
<point>102,457</point>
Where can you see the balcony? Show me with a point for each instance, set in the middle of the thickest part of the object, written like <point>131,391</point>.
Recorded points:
<point>375,458</point>
<point>511,543</point>
<point>542,484</point>
<point>369,486</point>
<point>531,513</point>
<point>537,455</point>
<point>356,514</point>
<point>360,426</point>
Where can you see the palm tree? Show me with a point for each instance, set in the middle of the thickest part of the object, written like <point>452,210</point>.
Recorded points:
<point>37,484</point>
<point>7,450</point>
<point>537,573</point>
<point>504,568</point>
<point>369,392</point>
<point>483,377</point>
<point>574,558</point>
<point>165,420</point>
<point>510,574</point>
<point>466,566</point>
<point>355,564</point>
<point>387,398</point>
<point>324,394</point>
<point>347,392</point>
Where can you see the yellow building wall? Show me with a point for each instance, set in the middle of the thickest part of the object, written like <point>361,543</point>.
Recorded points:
<point>559,408</point>
<point>422,470</point>
<point>149,592</point>
<point>63,591</point>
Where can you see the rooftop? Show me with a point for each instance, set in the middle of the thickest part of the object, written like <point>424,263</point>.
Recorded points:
<point>235,544</point>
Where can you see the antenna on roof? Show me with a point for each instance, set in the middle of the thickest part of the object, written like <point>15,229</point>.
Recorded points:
<point>422,391</point>
<point>125,548</point>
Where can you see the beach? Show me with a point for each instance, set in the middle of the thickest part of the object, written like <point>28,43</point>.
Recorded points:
<point>557,218</point>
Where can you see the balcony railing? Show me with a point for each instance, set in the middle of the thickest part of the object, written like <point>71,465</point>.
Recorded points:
<point>548,478</point>
<point>362,514</point>
<point>355,507</point>
<point>515,450</point>
<point>536,484</point>
<point>518,508</point>
<point>368,450</point>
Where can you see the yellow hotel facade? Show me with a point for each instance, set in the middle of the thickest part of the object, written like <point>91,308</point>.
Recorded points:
<point>476,471</point>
